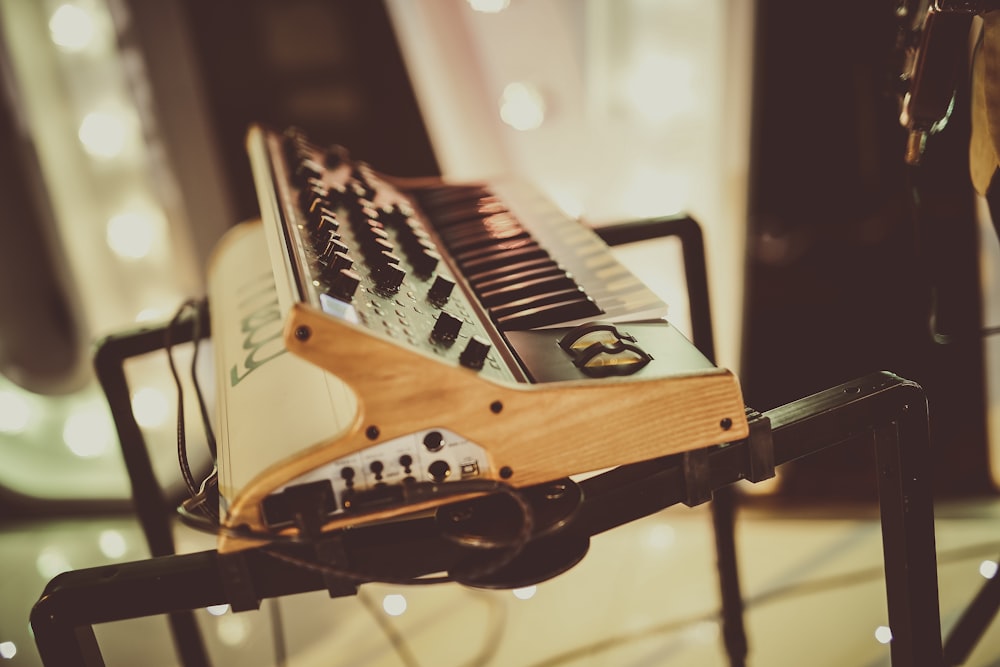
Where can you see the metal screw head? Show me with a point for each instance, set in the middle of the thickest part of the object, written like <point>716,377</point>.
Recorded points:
<point>372,432</point>
<point>303,333</point>
<point>726,423</point>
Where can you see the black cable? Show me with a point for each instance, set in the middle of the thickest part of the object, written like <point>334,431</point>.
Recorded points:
<point>206,422</point>
<point>510,551</point>
<point>275,540</point>
<point>182,457</point>
<point>197,496</point>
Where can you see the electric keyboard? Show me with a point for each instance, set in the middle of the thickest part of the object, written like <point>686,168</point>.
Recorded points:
<point>440,334</point>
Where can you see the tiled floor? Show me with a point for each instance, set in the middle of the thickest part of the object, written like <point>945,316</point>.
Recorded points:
<point>645,595</point>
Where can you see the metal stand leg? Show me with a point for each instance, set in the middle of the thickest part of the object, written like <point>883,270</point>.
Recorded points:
<point>902,450</point>
<point>152,508</point>
<point>724,524</point>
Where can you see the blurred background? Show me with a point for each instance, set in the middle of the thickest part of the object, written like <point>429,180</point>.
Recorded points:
<point>774,124</point>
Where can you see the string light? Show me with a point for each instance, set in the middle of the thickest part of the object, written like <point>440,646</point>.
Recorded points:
<point>394,604</point>
<point>134,234</point>
<point>104,134</point>
<point>15,413</point>
<point>72,28</point>
<point>489,6</point>
<point>112,543</point>
<point>217,609</point>
<point>150,407</point>
<point>87,432</point>
<point>7,650</point>
<point>522,106</point>
<point>525,593</point>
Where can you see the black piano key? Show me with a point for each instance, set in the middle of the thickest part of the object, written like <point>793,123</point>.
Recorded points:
<point>550,314</point>
<point>476,278</point>
<point>477,227</point>
<point>501,247</point>
<point>497,260</point>
<point>528,288</point>
<point>548,269</point>
<point>460,214</point>
<point>527,303</point>
<point>442,198</point>
<point>484,239</point>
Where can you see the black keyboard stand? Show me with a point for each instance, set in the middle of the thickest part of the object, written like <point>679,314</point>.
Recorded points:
<point>889,411</point>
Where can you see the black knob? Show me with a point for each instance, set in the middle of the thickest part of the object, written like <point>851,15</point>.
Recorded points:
<point>335,156</point>
<point>441,289</point>
<point>313,191</point>
<point>376,247</point>
<point>389,277</point>
<point>345,284</point>
<point>446,328</point>
<point>377,467</point>
<point>306,170</point>
<point>386,257</point>
<point>406,461</point>
<point>425,261</point>
<point>332,245</point>
<point>323,222</point>
<point>475,353</point>
<point>347,473</point>
<point>439,470</point>
<point>335,263</point>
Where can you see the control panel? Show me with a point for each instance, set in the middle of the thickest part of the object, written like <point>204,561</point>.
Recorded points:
<point>375,476</point>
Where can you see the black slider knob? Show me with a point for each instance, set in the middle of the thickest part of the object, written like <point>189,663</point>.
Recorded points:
<point>334,264</point>
<point>323,223</point>
<point>336,155</point>
<point>332,245</point>
<point>345,284</point>
<point>306,170</point>
<point>475,353</point>
<point>389,277</point>
<point>312,195</point>
<point>446,328</point>
<point>441,289</point>
<point>425,262</point>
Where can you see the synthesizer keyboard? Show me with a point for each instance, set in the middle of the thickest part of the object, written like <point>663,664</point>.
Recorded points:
<point>452,332</point>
